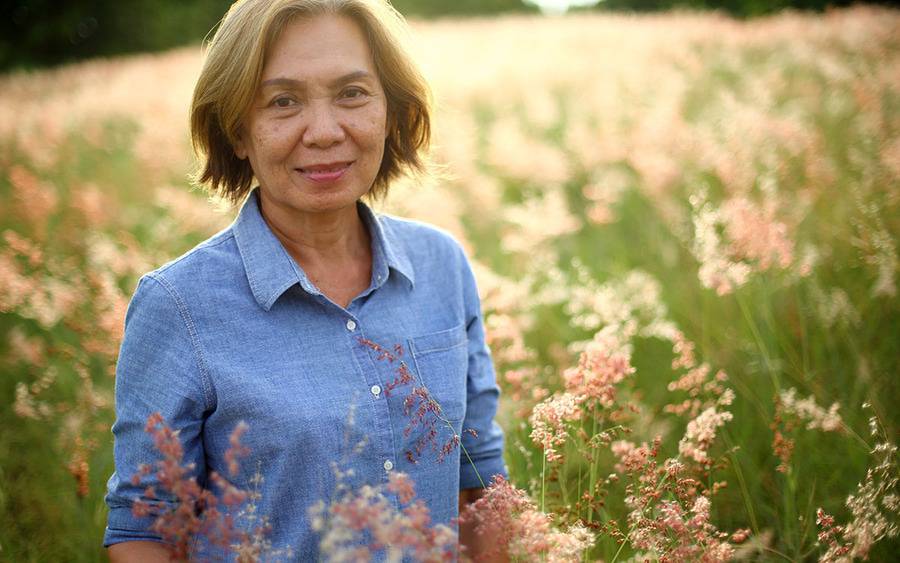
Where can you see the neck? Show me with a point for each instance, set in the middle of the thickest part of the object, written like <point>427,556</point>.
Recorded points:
<point>319,239</point>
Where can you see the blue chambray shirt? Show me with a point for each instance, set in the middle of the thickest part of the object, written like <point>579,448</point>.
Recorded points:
<point>235,331</point>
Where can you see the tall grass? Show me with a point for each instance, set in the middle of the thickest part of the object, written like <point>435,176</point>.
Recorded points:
<point>649,202</point>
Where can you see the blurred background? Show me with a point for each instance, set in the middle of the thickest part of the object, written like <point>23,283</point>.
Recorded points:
<point>47,32</point>
<point>713,188</point>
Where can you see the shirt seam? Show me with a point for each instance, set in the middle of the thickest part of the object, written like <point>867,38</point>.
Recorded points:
<point>192,333</point>
<point>209,243</point>
<point>420,353</point>
<point>486,457</point>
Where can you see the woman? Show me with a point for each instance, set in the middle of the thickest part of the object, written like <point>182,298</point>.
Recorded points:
<point>305,308</point>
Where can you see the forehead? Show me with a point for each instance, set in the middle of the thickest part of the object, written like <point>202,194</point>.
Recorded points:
<point>317,46</point>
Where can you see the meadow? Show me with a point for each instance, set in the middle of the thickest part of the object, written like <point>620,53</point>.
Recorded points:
<point>684,229</point>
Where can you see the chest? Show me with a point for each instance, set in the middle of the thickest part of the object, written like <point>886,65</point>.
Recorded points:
<point>314,380</point>
<point>341,283</point>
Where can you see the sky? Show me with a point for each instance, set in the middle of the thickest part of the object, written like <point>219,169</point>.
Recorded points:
<point>559,6</point>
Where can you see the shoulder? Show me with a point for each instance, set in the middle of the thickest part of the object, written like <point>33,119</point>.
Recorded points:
<point>179,290</point>
<point>437,257</point>
<point>420,239</point>
<point>212,259</point>
<point>167,314</point>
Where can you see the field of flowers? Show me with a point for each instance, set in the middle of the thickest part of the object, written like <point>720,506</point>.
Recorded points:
<point>685,230</point>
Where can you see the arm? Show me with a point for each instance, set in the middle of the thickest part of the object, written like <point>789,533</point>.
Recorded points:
<point>477,547</point>
<point>159,370</point>
<point>138,552</point>
<point>482,457</point>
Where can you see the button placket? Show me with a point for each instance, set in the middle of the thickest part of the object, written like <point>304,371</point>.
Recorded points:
<point>373,373</point>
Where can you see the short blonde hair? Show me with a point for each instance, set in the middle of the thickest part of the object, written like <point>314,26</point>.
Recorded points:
<point>233,69</point>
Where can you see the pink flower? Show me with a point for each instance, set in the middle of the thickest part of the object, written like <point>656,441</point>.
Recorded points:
<point>605,362</point>
<point>700,433</point>
<point>193,510</point>
<point>401,485</point>
<point>756,235</point>
<point>549,421</point>
<point>517,529</point>
<point>394,533</point>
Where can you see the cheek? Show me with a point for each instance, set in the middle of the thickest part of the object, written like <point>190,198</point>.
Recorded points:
<point>272,142</point>
<point>371,125</point>
<point>373,131</point>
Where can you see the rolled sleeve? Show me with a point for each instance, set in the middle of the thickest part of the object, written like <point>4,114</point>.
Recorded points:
<point>160,369</point>
<point>485,446</point>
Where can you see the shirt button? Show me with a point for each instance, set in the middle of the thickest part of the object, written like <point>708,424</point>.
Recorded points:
<point>388,465</point>
<point>376,390</point>
<point>351,325</point>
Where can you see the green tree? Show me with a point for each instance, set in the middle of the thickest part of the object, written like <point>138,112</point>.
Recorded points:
<point>46,32</point>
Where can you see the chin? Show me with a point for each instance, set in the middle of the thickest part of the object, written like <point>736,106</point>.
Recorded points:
<point>329,202</point>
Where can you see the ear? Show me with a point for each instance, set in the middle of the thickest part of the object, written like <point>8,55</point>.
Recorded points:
<point>240,147</point>
<point>390,123</point>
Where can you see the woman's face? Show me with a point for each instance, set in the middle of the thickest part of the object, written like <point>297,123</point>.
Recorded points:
<point>316,130</point>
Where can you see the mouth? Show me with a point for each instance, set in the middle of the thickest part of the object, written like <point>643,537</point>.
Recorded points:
<point>325,172</point>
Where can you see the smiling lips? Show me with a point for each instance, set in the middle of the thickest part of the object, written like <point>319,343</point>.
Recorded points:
<point>324,173</point>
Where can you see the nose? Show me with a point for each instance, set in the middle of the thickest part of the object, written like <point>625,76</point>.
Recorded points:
<point>323,129</point>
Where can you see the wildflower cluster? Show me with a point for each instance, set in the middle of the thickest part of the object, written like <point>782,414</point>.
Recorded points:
<point>182,509</point>
<point>874,507</point>
<point>668,501</point>
<point>63,272</point>
<point>791,412</point>
<point>807,411</point>
<point>549,422</point>
<point>362,524</point>
<point>700,434</point>
<point>669,513</point>
<point>606,188</point>
<point>739,237</point>
<point>619,302</point>
<point>517,529</point>
<point>603,364</point>
<point>591,386</point>
<point>526,235</point>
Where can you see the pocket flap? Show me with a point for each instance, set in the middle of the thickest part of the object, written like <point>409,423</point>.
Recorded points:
<point>438,341</point>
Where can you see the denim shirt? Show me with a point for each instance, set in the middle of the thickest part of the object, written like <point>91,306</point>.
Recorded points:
<point>235,331</point>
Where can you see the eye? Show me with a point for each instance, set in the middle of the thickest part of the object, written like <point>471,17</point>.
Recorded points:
<point>283,102</point>
<point>353,93</point>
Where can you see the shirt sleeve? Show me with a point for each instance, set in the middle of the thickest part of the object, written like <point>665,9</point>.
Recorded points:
<point>160,369</point>
<point>485,446</point>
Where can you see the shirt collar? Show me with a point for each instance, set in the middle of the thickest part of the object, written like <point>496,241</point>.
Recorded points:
<point>387,248</point>
<point>271,271</point>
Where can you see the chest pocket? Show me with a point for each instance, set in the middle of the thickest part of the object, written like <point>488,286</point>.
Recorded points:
<point>441,361</point>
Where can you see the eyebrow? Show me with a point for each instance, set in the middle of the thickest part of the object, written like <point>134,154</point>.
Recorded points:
<point>292,83</point>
